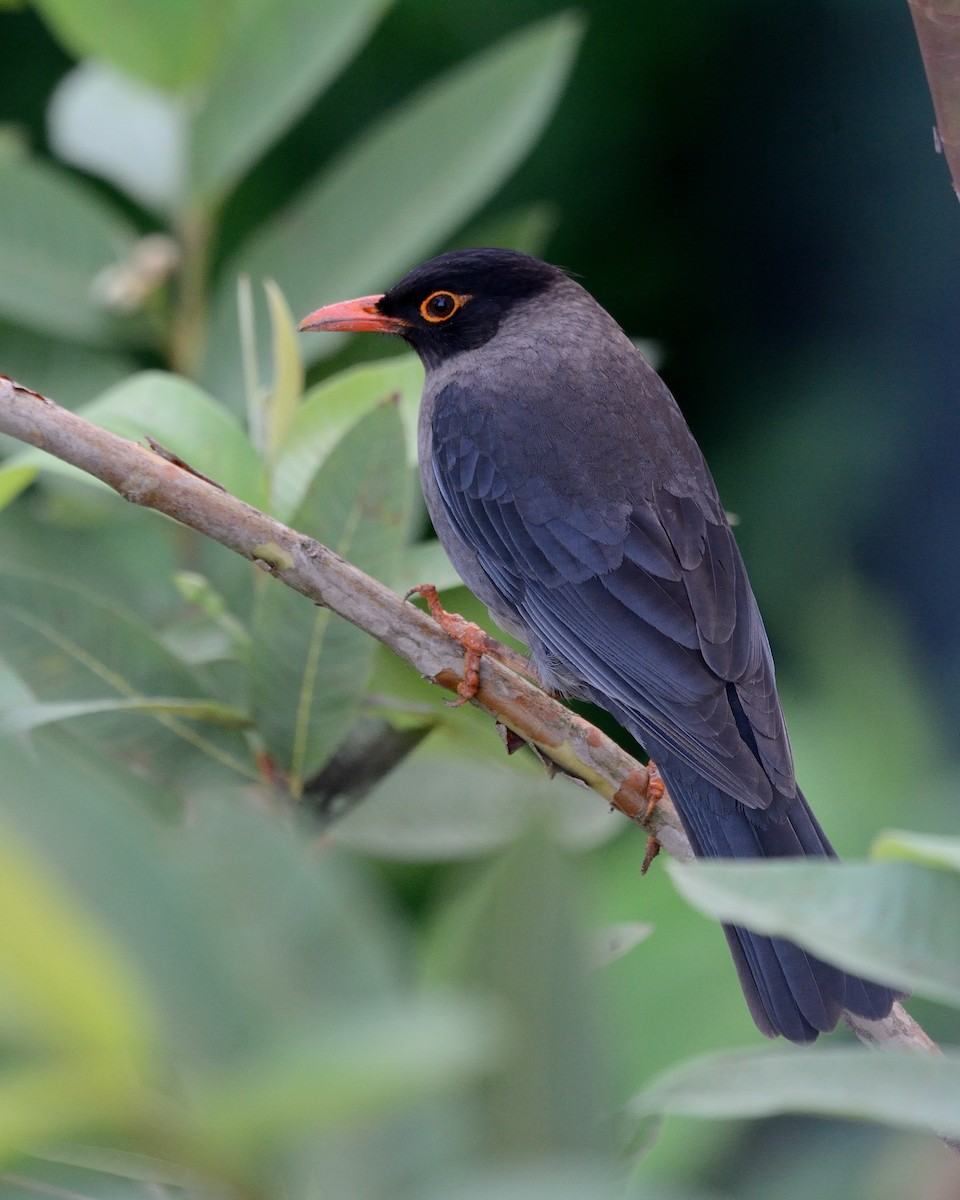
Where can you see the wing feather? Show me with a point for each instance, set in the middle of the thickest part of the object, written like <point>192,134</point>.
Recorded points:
<point>647,606</point>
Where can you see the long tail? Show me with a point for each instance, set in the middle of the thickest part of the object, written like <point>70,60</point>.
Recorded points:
<point>788,991</point>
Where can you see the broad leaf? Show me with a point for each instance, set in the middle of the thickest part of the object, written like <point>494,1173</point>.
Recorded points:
<point>887,921</point>
<point>309,668</point>
<point>427,562</point>
<point>170,45</point>
<point>561,1176</point>
<point>926,848</point>
<point>402,188</point>
<point>56,236</point>
<point>917,1091</point>
<point>105,851</point>
<point>33,716</point>
<point>178,415</point>
<point>70,646</point>
<point>527,229</point>
<point>446,802</point>
<point>67,372</point>
<point>511,930</point>
<point>329,410</point>
<point>369,1061</point>
<point>185,420</point>
<point>132,135</point>
<point>276,59</point>
<point>64,982</point>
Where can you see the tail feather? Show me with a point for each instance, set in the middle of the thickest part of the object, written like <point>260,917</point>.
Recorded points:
<point>789,992</point>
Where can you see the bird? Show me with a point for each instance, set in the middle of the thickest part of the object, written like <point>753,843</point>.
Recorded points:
<point>570,495</point>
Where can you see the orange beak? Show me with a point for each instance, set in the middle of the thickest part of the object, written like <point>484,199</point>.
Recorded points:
<point>352,316</point>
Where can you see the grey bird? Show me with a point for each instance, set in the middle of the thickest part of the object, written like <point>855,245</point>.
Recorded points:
<point>572,498</point>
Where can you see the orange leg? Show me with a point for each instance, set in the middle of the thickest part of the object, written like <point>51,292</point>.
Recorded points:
<point>471,637</point>
<point>655,789</point>
<point>655,792</point>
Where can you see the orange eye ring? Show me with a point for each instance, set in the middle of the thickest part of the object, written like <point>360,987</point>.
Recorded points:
<point>441,306</point>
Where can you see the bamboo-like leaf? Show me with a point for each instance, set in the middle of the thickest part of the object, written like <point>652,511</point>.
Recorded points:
<point>124,868</point>
<point>309,669</point>
<point>445,802</point>
<point>281,403</point>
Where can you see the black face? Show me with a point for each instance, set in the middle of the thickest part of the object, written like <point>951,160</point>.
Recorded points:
<point>456,301</point>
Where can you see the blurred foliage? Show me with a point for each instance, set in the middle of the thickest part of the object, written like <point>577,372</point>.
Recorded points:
<point>276,921</point>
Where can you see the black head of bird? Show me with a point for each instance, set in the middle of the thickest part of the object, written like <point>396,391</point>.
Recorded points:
<point>569,493</point>
<point>453,303</point>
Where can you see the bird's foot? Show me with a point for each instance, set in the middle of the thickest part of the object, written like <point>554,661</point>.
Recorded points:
<point>471,637</point>
<point>655,792</point>
<point>655,789</point>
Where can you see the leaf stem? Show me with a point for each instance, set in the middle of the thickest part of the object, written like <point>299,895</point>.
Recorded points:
<point>188,330</point>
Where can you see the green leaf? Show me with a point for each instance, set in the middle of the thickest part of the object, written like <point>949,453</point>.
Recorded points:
<point>33,716</point>
<point>887,921</point>
<point>124,1164</point>
<point>308,668</point>
<point>215,634</point>
<point>113,126</point>
<point>63,981</point>
<point>280,405</point>
<point>427,562</point>
<point>56,236</point>
<point>925,848</point>
<point>70,647</point>
<point>274,62</point>
<point>403,187</point>
<point>123,868</point>
<point>331,409</point>
<point>170,45</point>
<point>561,1176</point>
<point>177,414</point>
<point>511,931</point>
<point>67,372</point>
<point>351,1068</point>
<point>69,1095</point>
<point>614,941</point>
<point>527,229</point>
<point>15,475</point>
<point>184,419</point>
<point>447,802</point>
<point>916,1091</point>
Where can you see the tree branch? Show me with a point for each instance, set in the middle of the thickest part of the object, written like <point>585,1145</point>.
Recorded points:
<point>937,25</point>
<point>145,477</point>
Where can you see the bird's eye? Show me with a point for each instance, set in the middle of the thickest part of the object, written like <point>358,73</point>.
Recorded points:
<point>440,306</point>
